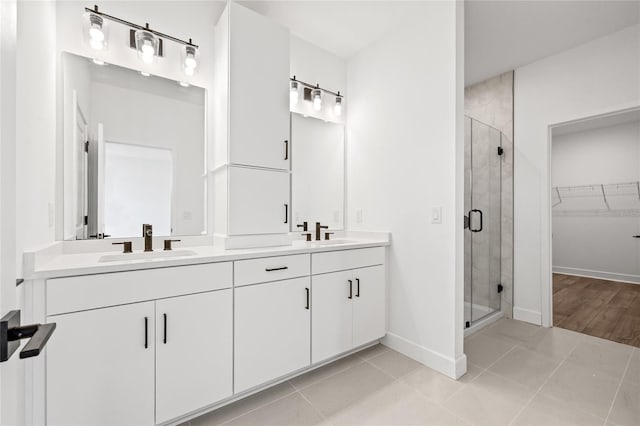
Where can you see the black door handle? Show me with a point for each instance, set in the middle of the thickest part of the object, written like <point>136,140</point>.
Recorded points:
<point>350,289</point>
<point>165,329</point>
<point>286,150</point>
<point>11,332</point>
<point>481,220</point>
<point>286,213</point>
<point>636,236</point>
<point>357,287</point>
<point>307,290</point>
<point>146,332</point>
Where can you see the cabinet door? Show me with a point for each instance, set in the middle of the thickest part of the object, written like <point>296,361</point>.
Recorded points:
<point>193,352</point>
<point>259,94</point>
<point>99,369</point>
<point>369,307</point>
<point>272,331</point>
<point>258,201</point>
<point>332,314</point>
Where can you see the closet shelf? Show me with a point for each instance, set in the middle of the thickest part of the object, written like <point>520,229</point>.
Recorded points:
<point>605,199</point>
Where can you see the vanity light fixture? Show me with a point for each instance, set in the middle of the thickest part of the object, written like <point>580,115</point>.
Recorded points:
<point>96,31</point>
<point>148,42</point>
<point>294,93</point>
<point>316,96</point>
<point>190,61</point>
<point>313,94</point>
<point>147,46</point>
<point>337,108</point>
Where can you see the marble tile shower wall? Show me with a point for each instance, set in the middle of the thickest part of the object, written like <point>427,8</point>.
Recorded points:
<point>491,102</point>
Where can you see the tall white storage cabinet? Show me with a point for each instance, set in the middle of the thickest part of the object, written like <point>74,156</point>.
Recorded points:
<point>252,126</point>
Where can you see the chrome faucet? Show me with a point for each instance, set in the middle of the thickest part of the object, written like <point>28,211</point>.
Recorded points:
<point>318,228</point>
<point>147,233</point>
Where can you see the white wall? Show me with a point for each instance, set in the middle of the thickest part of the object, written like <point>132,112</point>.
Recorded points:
<point>36,125</point>
<point>597,245</point>
<point>311,64</point>
<point>405,157</point>
<point>594,78</point>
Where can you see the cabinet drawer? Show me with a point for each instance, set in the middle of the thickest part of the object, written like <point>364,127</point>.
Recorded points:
<point>255,271</point>
<point>347,259</point>
<point>95,291</point>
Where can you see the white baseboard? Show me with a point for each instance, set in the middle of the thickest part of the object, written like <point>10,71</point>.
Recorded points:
<point>612,276</point>
<point>454,368</point>
<point>527,315</point>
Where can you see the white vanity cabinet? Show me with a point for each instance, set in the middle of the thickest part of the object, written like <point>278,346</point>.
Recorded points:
<point>139,362</point>
<point>193,352</point>
<point>258,201</point>
<point>258,90</point>
<point>99,370</point>
<point>349,305</point>
<point>272,320</point>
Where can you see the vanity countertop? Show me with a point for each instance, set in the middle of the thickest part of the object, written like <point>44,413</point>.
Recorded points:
<point>57,263</point>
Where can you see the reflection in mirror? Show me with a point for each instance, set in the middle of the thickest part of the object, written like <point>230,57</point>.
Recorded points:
<point>317,172</point>
<point>145,157</point>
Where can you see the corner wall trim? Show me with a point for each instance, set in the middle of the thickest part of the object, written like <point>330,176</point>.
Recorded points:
<point>454,368</point>
<point>527,315</point>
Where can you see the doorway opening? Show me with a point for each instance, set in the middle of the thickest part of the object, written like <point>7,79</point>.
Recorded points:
<point>595,220</point>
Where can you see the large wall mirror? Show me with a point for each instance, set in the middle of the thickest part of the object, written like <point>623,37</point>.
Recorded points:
<point>134,153</point>
<point>317,172</point>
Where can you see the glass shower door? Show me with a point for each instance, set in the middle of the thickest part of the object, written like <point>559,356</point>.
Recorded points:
<point>483,234</point>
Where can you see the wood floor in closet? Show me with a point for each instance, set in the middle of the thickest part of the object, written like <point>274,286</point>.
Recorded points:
<point>601,308</point>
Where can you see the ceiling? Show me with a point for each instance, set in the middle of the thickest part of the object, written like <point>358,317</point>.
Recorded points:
<point>499,35</point>
<point>340,27</point>
<point>504,35</point>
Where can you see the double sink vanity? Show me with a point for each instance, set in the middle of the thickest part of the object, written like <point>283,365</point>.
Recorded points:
<point>164,339</point>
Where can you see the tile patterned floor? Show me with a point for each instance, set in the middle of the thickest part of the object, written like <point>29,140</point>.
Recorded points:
<point>518,374</point>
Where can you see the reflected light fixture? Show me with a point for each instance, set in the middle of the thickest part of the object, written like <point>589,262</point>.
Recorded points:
<point>183,83</point>
<point>145,74</point>
<point>190,61</point>
<point>97,37</point>
<point>294,93</point>
<point>316,96</point>
<point>98,61</point>
<point>147,46</point>
<point>337,108</point>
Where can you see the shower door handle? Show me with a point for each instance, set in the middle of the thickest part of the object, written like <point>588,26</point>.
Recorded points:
<point>481,220</point>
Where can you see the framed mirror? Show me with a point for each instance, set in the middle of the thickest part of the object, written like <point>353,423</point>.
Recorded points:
<point>317,164</point>
<point>134,153</point>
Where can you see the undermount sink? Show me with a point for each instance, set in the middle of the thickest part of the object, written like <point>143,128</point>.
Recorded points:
<point>145,255</point>
<point>331,242</point>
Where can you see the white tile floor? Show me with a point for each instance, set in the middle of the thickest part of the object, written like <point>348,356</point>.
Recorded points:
<point>518,374</point>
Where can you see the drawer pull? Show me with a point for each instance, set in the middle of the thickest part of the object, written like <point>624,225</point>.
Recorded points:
<point>277,268</point>
<point>350,289</point>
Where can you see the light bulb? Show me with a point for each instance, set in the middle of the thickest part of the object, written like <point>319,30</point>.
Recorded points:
<point>337,108</point>
<point>147,46</point>
<point>293,93</point>
<point>317,99</point>
<point>96,33</point>
<point>189,71</point>
<point>96,44</point>
<point>190,62</point>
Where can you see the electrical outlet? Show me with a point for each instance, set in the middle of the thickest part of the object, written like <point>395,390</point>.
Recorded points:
<point>359,216</point>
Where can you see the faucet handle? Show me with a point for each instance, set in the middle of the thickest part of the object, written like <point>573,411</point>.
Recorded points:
<point>326,235</point>
<point>126,246</point>
<point>304,226</point>
<point>307,235</point>
<point>167,244</point>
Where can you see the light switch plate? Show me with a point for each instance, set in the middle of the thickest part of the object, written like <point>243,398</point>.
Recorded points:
<point>436,215</point>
